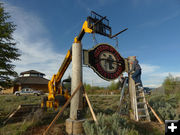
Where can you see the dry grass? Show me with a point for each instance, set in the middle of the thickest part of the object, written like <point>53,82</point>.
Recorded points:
<point>39,121</point>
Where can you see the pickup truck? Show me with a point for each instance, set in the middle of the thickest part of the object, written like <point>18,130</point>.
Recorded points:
<point>28,91</point>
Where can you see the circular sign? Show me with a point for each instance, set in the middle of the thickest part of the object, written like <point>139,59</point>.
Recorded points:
<point>106,61</point>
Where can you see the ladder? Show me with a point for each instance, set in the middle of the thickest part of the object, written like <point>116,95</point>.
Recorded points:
<point>141,107</point>
<point>122,94</point>
<point>139,103</point>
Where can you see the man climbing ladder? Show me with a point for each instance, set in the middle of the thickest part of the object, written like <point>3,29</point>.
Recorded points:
<point>136,73</point>
<point>137,97</point>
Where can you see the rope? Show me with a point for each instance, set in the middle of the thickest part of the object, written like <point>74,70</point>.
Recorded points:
<point>116,46</point>
<point>94,39</point>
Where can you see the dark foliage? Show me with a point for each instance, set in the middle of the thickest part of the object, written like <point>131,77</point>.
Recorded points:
<point>8,51</point>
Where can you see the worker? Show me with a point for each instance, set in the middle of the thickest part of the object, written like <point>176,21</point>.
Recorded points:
<point>121,81</point>
<point>136,72</point>
<point>121,78</point>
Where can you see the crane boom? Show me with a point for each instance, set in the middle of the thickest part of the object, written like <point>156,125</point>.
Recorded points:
<point>64,66</point>
<point>56,79</point>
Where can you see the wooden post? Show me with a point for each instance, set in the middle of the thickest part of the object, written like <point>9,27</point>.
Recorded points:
<point>74,123</point>
<point>132,90</point>
<point>76,79</point>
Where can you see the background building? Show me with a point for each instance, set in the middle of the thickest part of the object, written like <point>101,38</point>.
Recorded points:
<point>30,79</point>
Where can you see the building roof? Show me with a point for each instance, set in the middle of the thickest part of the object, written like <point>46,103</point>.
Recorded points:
<point>31,72</point>
<point>31,80</point>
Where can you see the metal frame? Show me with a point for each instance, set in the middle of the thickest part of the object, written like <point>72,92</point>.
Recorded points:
<point>100,25</point>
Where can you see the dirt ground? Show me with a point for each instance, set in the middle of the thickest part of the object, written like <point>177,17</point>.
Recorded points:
<point>57,129</point>
<point>149,127</point>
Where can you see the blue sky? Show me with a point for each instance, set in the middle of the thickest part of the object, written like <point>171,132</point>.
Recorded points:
<point>46,29</point>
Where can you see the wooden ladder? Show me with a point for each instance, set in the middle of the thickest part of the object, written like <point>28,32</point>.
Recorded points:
<point>141,107</point>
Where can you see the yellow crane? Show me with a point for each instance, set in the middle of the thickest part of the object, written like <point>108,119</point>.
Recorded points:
<point>57,94</point>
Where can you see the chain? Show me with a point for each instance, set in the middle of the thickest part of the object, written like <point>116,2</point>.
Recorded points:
<point>94,40</point>
<point>116,46</point>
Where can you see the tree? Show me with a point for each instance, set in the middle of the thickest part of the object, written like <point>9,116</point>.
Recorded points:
<point>87,87</point>
<point>8,51</point>
<point>114,85</point>
<point>169,84</point>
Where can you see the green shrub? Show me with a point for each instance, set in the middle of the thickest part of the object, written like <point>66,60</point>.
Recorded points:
<point>171,85</point>
<point>7,99</point>
<point>109,125</point>
<point>164,106</point>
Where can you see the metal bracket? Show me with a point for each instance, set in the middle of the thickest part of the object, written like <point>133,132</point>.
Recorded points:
<point>118,33</point>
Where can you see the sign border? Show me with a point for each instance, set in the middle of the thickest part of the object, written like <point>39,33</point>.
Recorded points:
<point>94,69</point>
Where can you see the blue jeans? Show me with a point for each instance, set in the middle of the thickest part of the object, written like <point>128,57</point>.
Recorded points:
<point>136,76</point>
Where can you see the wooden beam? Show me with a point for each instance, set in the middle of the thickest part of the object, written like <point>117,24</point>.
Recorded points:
<point>62,109</point>
<point>132,91</point>
<point>160,121</point>
<point>91,109</point>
